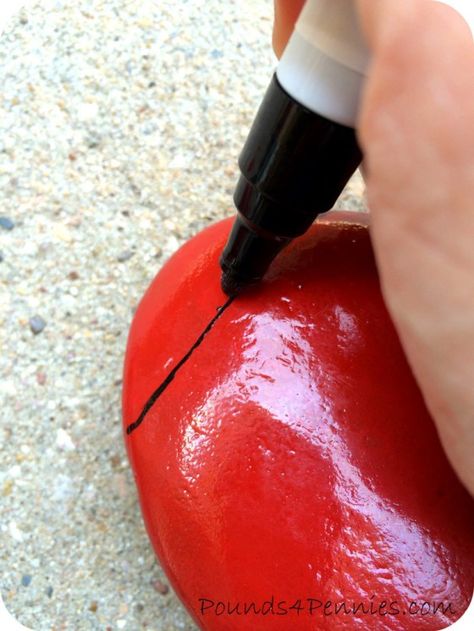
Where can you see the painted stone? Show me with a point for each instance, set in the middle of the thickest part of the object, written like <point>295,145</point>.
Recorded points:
<point>289,474</point>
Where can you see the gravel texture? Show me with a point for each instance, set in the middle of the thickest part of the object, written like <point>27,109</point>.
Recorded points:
<point>120,125</point>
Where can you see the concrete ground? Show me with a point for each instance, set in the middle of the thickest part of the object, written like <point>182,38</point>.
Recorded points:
<point>120,125</point>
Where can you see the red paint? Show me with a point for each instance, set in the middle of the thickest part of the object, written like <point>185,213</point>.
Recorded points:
<point>292,455</point>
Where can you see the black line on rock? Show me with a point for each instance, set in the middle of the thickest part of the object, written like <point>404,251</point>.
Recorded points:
<point>162,387</point>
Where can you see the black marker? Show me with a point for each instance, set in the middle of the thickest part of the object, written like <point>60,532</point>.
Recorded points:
<point>302,147</point>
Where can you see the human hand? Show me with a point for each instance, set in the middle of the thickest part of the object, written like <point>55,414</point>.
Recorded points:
<point>417,132</point>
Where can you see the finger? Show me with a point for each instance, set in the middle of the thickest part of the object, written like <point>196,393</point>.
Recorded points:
<point>417,133</point>
<point>286,14</point>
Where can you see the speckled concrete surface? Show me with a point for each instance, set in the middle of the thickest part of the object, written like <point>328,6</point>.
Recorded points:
<point>120,125</point>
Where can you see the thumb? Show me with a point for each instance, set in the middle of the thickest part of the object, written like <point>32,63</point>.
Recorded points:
<point>417,133</point>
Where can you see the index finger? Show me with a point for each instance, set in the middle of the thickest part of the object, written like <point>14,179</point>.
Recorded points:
<point>286,14</point>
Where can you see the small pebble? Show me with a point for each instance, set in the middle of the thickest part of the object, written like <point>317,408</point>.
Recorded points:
<point>64,441</point>
<point>93,606</point>
<point>160,587</point>
<point>37,324</point>
<point>1,257</point>
<point>125,256</point>
<point>41,378</point>
<point>25,580</point>
<point>6,223</point>
<point>49,591</point>
<point>93,142</point>
<point>15,532</point>
<point>73,275</point>
<point>115,461</point>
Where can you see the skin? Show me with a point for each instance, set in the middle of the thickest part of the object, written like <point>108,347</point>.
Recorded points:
<point>415,127</point>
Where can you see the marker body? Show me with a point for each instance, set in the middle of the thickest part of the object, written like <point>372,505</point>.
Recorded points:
<point>302,147</point>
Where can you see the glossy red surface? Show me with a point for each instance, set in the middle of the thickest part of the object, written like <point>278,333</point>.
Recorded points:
<point>292,455</point>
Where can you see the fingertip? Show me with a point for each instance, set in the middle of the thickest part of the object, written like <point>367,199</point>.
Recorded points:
<point>286,14</point>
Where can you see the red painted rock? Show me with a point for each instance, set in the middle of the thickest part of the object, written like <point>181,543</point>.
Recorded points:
<point>289,474</point>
